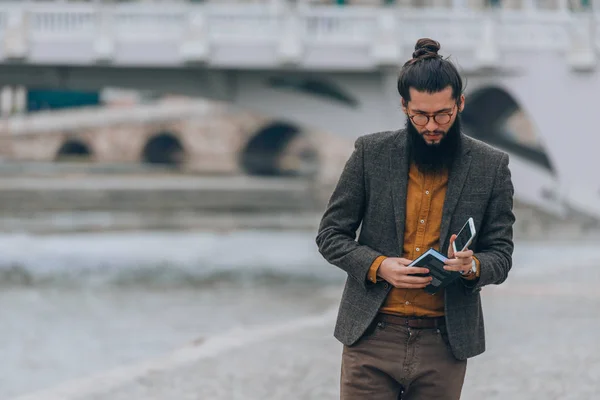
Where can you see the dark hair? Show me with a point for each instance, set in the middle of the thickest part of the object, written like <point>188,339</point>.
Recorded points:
<point>428,72</point>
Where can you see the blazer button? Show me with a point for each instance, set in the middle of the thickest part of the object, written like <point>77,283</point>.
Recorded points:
<point>386,285</point>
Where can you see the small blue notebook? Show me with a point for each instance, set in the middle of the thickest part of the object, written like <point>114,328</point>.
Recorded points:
<point>434,261</point>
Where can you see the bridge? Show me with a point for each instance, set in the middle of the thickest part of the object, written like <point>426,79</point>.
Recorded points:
<point>531,70</point>
<point>190,135</point>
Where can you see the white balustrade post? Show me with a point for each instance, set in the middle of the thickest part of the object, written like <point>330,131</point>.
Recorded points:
<point>290,48</point>
<point>303,5</point>
<point>487,53</point>
<point>459,4</point>
<point>582,54</point>
<point>529,5</point>
<point>6,101</point>
<point>277,5</point>
<point>563,5</point>
<point>15,35</point>
<point>387,47</point>
<point>104,43</point>
<point>195,46</point>
<point>20,99</point>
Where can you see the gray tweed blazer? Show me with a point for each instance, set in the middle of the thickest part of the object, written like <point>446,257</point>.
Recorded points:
<point>372,191</point>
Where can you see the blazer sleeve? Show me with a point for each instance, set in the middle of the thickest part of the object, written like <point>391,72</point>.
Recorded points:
<point>495,244</point>
<point>336,238</point>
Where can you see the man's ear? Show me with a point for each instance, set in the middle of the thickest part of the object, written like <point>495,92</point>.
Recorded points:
<point>404,106</point>
<point>461,105</point>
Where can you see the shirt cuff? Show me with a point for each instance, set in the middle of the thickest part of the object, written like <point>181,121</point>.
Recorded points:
<point>477,273</point>
<point>372,274</point>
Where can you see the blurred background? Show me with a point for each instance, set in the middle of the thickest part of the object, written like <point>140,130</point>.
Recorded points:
<point>164,166</point>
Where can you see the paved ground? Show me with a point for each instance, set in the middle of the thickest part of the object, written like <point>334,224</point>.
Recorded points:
<point>539,348</point>
<point>542,328</point>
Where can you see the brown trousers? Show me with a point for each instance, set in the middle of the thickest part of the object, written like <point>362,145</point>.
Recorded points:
<point>392,362</point>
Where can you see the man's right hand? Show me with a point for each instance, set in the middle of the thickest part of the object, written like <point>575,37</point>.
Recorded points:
<point>397,273</point>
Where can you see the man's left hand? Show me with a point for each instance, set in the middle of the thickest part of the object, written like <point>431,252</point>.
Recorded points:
<point>461,261</point>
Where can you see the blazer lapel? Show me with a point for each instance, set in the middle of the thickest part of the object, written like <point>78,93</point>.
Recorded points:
<point>399,183</point>
<point>456,182</point>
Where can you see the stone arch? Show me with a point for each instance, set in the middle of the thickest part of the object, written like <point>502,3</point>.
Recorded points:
<point>492,115</point>
<point>73,150</point>
<point>164,148</point>
<point>279,149</point>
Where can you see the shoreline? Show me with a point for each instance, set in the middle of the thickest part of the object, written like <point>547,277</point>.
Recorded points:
<point>150,200</point>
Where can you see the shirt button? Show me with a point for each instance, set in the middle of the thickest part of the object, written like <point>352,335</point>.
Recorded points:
<point>427,192</point>
<point>422,221</point>
<point>418,249</point>
<point>408,302</point>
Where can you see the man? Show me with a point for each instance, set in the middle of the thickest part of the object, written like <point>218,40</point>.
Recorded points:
<point>414,189</point>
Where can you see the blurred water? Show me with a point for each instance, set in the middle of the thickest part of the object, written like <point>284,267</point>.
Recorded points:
<point>73,305</point>
<point>159,258</point>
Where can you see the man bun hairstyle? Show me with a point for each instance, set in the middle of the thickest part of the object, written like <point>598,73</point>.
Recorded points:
<point>425,48</point>
<point>429,72</point>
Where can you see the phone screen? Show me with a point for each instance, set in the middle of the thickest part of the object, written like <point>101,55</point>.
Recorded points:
<point>463,237</point>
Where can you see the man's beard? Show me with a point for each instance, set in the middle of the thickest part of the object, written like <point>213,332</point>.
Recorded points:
<point>435,157</point>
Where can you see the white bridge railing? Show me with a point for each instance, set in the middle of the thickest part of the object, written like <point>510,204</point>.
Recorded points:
<point>264,36</point>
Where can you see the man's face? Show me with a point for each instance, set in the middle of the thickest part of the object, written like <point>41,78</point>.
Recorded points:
<point>440,107</point>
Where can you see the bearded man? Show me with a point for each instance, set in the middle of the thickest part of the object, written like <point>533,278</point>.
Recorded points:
<point>412,190</point>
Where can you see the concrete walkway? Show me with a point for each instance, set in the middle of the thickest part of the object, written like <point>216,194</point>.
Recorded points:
<point>542,328</point>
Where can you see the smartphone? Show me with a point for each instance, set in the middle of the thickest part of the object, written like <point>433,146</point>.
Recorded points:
<point>465,236</point>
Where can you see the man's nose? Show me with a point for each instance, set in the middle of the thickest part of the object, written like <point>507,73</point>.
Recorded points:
<point>431,125</point>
